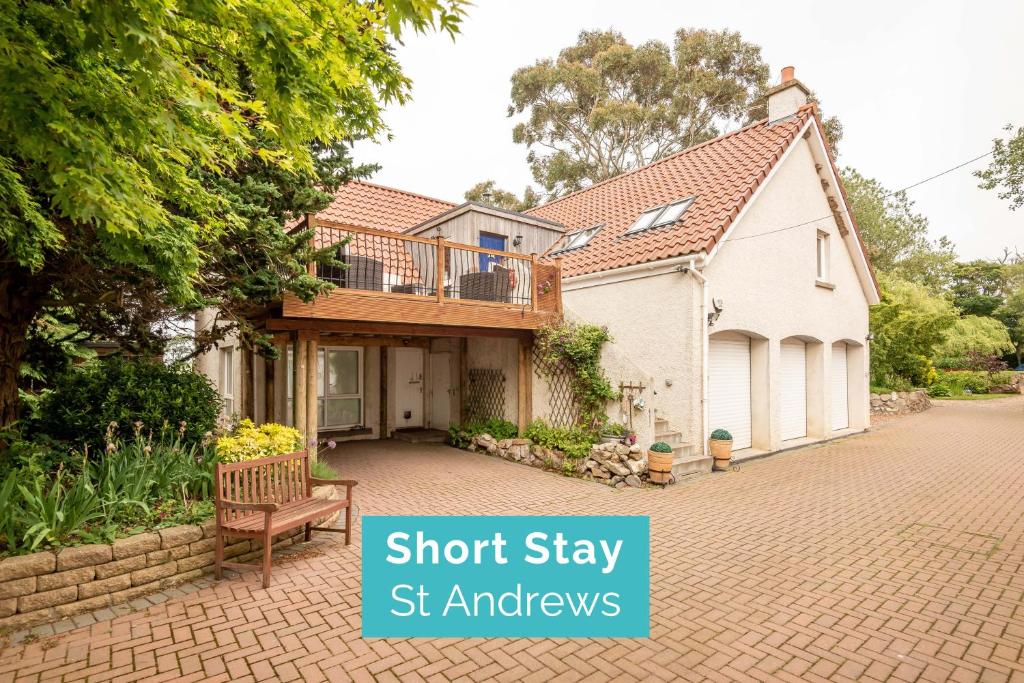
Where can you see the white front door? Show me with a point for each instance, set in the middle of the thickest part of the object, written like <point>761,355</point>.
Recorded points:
<point>729,389</point>
<point>408,387</point>
<point>440,390</point>
<point>793,382</point>
<point>840,389</point>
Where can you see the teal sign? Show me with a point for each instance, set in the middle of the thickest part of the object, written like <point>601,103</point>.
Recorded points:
<point>506,577</point>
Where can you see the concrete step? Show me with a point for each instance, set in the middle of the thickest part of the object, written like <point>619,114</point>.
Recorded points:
<point>691,464</point>
<point>420,435</point>
<point>670,437</point>
<point>683,450</point>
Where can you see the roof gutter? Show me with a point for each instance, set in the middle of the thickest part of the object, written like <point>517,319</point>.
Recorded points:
<point>633,272</point>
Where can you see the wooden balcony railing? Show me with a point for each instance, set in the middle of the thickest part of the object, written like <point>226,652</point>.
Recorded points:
<point>456,278</point>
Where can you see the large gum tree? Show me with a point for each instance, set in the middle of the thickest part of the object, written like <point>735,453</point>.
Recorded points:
<point>138,138</point>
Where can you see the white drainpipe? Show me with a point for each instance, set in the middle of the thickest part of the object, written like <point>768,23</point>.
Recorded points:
<point>691,269</point>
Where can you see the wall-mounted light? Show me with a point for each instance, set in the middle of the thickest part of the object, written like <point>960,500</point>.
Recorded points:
<point>517,240</point>
<point>870,337</point>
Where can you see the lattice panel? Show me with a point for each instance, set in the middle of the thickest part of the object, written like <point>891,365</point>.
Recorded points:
<point>486,395</point>
<point>565,410</point>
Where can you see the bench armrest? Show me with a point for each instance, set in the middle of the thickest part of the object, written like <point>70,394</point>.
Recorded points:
<point>257,507</point>
<point>333,482</point>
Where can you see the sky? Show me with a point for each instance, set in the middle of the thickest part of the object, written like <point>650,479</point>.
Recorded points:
<point>919,87</point>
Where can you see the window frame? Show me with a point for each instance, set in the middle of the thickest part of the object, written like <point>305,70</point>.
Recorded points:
<point>226,360</point>
<point>569,246</point>
<point>658,212</point>
<point>321,391</point>
<point>823,257</point>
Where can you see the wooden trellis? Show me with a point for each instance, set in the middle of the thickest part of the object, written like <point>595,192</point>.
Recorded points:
<point>485,398</point>
<point>563,404</point>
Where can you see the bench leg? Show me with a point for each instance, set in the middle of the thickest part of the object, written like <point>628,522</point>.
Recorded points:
<point>218,554</point>
<point>267,547</point>
<point>309,531</point>
<point>348,524</point>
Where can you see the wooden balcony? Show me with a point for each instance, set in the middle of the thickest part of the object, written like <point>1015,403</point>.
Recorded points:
<point>397,279</point>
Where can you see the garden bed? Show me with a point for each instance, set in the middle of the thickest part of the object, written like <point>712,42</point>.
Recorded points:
<point>53,584</point>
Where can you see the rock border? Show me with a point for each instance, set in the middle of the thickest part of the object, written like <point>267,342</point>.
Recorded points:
<point>900,402</point>
<point>55,584</point>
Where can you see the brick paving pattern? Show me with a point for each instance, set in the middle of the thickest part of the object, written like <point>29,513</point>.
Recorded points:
<point>894,555</point>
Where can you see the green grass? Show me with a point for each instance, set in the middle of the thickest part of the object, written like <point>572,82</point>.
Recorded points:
<point>972,397</point>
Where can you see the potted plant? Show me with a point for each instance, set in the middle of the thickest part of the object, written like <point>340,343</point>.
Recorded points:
<point>659,462</point>
<point>720,445</point>
<point>614,432</point>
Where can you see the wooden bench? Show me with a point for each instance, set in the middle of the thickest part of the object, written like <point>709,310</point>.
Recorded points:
<point>268,496</point>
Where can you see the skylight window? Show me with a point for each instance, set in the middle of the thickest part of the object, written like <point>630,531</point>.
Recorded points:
<point>579,238</point>
<point>662,215</point>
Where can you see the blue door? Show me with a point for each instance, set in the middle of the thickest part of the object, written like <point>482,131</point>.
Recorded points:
<point>489,241</point>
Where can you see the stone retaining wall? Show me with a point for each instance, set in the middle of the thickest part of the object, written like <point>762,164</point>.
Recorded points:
<point>614,464</point>
<point>899,402</point>
<point>54,584</point>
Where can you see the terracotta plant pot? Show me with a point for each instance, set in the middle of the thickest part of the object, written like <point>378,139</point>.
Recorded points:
<point>659,467</point>
<point>721,451</point>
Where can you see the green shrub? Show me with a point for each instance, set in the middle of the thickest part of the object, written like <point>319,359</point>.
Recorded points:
<point>939,389</point>
<point>575,442</point>
<point>87,399</point>
<point>462,435</point>
<point>321,470</point>
<point>614,429</point>
<point>248,442</point>
<point>660,447</point>
<point>130,486</point>
<point>721,435</point>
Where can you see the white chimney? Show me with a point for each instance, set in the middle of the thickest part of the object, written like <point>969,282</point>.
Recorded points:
<point>787,97</point>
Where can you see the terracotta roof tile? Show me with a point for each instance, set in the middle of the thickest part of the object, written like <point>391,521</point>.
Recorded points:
<point>366,205</point>
<point>722,174</point>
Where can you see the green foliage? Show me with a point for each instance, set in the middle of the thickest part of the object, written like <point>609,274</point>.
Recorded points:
<point>604,106</point>
<point>129,486</point>
<point>462,435</point>
<point>486,192</point>
<point>248,442</point>
<point>957,383</point>
<point>90,397</point>
<point>616,429</point>
<point>721,435</point>
<point>321,470</point>
<point>574,442</point>
<point>120,120</point>
<point>660,447</point>
<point>1006,171</point>
<point>909,324</point>
<point>895,235</point>
<point>973,335</point>
<point>978,287</point>
<point>577,348</point>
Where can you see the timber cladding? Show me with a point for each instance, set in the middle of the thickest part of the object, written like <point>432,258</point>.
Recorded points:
<point>349,305</point>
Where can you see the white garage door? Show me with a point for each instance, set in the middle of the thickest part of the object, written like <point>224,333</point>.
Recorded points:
<point>840,400</point>
<point>794,390</point>
<point>729,388</point>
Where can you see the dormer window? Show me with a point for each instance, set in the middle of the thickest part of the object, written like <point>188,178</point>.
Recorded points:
<point>580,238</point>
<point>660,216</point>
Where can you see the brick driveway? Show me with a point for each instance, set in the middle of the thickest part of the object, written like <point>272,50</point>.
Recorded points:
<point>895,554</point>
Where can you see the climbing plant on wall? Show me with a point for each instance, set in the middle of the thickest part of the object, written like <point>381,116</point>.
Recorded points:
<point>576,349</point>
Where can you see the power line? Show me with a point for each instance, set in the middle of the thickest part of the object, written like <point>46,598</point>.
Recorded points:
<point>887,194</point>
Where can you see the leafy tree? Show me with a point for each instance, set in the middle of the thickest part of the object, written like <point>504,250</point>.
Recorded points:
<point>973,334</point>
<point>121,125</point>
<point>486,192</point>
<point>604,106</point>
<point>895,235</point>
<point>978,287</point>
<point>1006,171</point>
<point>909,324</point>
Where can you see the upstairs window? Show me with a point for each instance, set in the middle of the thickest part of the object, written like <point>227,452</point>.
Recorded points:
<point>660,216</point>
<point>579,239</point>
<point>823,257</point>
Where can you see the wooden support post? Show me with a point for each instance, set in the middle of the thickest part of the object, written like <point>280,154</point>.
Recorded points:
<point>558,285</point>
<point>299,385</point>
<point>533,281</point>
<point>383,430</point>
<point>247,403</point>
<point>463,377</point>
<point>525,384</point>
<point>268,390</point>
<point>312,413</point>
<point>280,388</point>
<point>440,269</point>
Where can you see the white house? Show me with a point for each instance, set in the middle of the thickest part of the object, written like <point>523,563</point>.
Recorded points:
<point>731,276</point>
<point>735,285</point>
